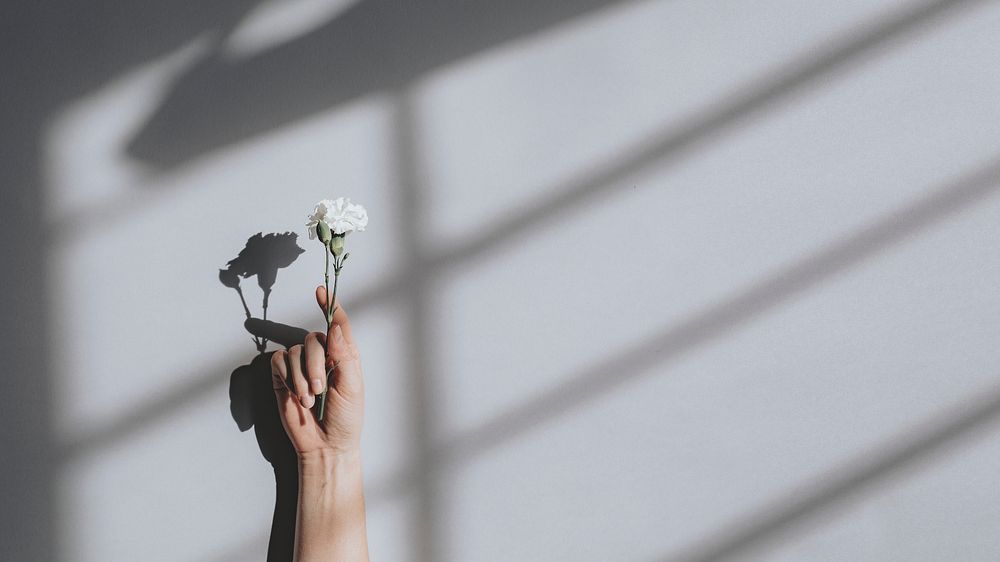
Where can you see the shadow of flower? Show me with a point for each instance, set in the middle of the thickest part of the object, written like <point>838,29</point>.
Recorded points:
<point>263,256</point>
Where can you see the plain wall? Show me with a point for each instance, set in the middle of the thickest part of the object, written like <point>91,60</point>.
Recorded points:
<point>649,280</point>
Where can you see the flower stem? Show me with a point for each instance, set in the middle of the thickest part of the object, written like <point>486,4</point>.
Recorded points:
<point>246,308</point>
<point>263,340</point>
<point>331,306</point>
<point>331,298</point>
<point>326,283</point>
<point>256,341</point>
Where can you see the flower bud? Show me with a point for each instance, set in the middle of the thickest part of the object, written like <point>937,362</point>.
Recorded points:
<point>229,278</point>
<point>337,245</point>
<point>323,232</point>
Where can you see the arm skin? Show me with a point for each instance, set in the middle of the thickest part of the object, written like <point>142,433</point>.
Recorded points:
<point>331,516</point>
<point>330,519</point>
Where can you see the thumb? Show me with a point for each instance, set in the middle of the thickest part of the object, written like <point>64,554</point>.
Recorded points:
<point>321,298</point>
<point>339,316</point>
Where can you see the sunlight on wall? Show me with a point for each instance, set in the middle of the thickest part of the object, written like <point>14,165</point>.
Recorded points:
<point>675,261</point>
<point>274,22</point>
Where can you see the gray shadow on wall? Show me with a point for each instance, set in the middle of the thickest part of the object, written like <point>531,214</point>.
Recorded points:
<point>845,483</point>
<point>56,56</point>
<point>731,313</point>
<point>262,257</point>
<point>756,97</point>
<point>53,53</point>
<point>154,142</point>
<point>27,390</point>
<point>372,46</point>
<point>759,96</point>
<point>426,535</point>
<point>636,362</point>
<point>251,397</point>
<point>573,194</point>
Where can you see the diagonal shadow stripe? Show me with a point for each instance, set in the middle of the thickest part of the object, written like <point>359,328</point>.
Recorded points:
<point>372,46</point>
<point>790,80</point>
<point>731,313</point>
<point>573,194</point>
<point>796,279</point>
<point>846,482</point>
<point>496,430</point>
<point>136,421</point>
<point>635,362</point>
<point>752,98</point>
<point>793,78</point>
<point>897,455</point>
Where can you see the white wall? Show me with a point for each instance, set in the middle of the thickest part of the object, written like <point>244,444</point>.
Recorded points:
<point>657,279</point>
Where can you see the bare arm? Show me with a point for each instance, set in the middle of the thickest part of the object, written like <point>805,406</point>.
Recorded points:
<point>331,515</point>
<point>330,522</point>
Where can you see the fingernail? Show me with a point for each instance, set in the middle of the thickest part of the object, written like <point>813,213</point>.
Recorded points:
<point>338,334</point>
<point>308,401</point>
<point>317,386</point>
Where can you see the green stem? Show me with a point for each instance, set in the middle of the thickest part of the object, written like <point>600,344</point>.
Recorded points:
<point>321,403</point>
<point>331,306</point>
<point>326,282</point>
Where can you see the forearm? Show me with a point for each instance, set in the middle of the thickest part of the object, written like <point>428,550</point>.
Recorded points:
<point>281,545</point>
<point>331,511</point>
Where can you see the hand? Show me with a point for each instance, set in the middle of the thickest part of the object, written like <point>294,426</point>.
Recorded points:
<point>299,376</point>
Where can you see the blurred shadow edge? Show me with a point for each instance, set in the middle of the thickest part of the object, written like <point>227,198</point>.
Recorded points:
<point>847,482</point>
<point>27,445</point>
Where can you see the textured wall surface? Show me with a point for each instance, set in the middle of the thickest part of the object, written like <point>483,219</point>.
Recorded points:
<point>649,280</point>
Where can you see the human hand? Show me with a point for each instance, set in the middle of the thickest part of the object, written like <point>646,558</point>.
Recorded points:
<point>299,376</point>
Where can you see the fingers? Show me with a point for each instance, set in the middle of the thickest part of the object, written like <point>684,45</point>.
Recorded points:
<point>279,373</point>
<point>281,334</point>
<point>279,381</point>
<point>295,363</point>
<point>315,362</point>
<point>339,316</point>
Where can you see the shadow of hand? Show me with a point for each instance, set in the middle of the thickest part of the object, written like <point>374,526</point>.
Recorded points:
<point>252,404</point>
<point>251,397</point>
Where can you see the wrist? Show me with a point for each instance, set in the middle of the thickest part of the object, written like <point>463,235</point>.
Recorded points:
<point>331,506</point>
<point>336,471</point>
<point>322,460</point>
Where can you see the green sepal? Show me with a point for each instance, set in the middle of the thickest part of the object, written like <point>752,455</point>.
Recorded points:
<point>323,232</point>
<point>337,245</point>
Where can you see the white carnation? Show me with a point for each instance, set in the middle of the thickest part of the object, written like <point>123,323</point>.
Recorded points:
<point>340,215</point>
